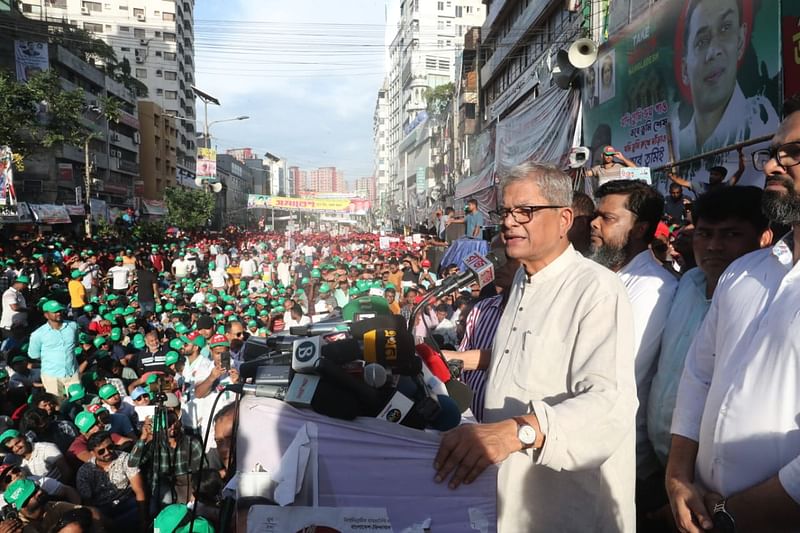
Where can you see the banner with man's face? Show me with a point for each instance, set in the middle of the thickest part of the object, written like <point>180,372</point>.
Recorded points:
<point>684,78</point>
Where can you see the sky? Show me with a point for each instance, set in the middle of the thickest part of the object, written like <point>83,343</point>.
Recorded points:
<point>306,72</point>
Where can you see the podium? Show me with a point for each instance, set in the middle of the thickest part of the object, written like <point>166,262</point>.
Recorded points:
<point>367,463</point>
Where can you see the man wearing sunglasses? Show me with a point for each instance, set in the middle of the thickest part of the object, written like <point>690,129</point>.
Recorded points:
<point>734,462</point>
<point>37,512</point>
<point>560,394</point>
<point>609,167</point>
<point>54,489</point>
<point>108,482</point>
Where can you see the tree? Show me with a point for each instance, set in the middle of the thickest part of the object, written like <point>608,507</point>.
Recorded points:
<point>438,99</point>
<point>189,209</point>
<point>40,113</point>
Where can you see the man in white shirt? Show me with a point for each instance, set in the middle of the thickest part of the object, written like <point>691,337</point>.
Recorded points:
<point>219,278</point>
<point>284,272</point>
<point>735,454</point>
<point>248,265</point>
<point>120,276</point>
<point>180,267</point>
<point>560,394</point>
<point>627,214</point>
<point>15,309</point>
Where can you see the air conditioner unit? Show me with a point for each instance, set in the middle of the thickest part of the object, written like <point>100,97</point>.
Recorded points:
<point>115,137</point>
<point>116,153</point>
<point>141,18</point>
<point>85,11</point>
<point>139,59</point>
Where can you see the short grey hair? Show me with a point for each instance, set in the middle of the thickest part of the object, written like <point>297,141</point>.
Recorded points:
<point>554,184</point>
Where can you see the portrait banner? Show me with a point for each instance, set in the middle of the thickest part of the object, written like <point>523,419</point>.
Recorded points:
<point>684,79</point>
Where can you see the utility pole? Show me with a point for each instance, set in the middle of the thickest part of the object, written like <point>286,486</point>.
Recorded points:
<point>88,186</point>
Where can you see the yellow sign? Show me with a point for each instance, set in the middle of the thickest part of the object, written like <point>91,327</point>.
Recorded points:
<point>347,205</point>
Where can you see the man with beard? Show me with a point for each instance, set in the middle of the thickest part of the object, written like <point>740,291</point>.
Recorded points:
<point>735,454</point>
<point>39,514</point>
<point>628,212</point>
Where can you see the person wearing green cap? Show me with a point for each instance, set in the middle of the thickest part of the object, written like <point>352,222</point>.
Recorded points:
<point>38,458</point>
<point>37,513</point>
<point>88,424</point>
<point>112,400</point>
<point>53,343</point>
<point>121,277</point>
<point>77,292</point>
<point>15,308</point>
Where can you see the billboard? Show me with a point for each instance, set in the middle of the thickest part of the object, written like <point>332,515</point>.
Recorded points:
<point>684,79</point>
<point>31,57</point>
<point>207,164</point>
<point>356,206</point>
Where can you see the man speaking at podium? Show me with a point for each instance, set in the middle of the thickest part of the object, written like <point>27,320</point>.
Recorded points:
<point>561,396</point>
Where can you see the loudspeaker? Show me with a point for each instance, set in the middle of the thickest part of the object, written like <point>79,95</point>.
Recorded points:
<point>216,187</point>
<point>563,72</point>
<point>578,156</point>
<point>199,181</point>
<point>582,53</point>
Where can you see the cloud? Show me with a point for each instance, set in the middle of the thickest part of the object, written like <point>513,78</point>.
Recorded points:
<point>306,72</point>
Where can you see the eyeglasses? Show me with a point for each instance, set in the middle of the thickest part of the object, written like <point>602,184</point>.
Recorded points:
<point>101,451</point>
<point>521,214</point>
<point>787,155</point>
<point>239,334</point>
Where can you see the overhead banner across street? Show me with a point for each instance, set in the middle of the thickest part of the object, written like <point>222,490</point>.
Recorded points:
<point>356,206</point>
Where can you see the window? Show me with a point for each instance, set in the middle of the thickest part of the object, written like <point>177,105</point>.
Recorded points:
<point>170,56</point>
<point>141,73</point>
<point>158,53</point>
<point>171,95</point>
<point>108,27</point>
<point>125,49</point>
<point>139,33</point>
<point>137,11</point>
<point>158,34</point>
<point>169,37</point>
<point>440,43</point>
<point>440,6</point>
<point>159,91</point>
<point>468,8</point>
<point>92,6</point>
<point>123,8</point>
<point>168,16</point>
<point>459,11</point>
<point>449,23</point>
<point>93,28</point>
<point>170,75</point>
<point>158,73</point>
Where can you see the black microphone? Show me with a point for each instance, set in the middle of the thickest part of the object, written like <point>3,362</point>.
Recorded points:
<point>480,270</point>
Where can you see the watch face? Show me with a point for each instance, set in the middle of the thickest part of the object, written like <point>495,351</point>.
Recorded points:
<point>527,435</point>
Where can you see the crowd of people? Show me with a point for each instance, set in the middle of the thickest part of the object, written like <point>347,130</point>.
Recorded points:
<point>632,363</point>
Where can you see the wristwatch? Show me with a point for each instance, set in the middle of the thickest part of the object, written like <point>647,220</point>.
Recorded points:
<point>723,521</point>
<point>525,433</point>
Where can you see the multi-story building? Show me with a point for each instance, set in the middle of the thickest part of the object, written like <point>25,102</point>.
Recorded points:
<point>299,178</point>
<point>380,136</point>
<point>52,175</point>
<point>466,100</point>
<point>237,183</point>
<point>157,39</point>
<point>157,151</point>
<point>365,188</point>
<point>325,180</point>
<point>421,55</point>
<point>517,38</point>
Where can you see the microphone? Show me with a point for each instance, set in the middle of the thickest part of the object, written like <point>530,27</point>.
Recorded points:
<point>434,361</point>
<point>388,342</point>
<point>449,414</point>
<point>375,375</point>
<point>480,270</point>
<point>277,392</point>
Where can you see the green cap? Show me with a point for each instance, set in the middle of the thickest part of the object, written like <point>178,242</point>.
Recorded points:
<point>138,341</point>
<point>3,374</point>
<point>99,341</point>
<point>75,392</point>
<point>107,391</point>
<point>18,359</point>
<point>324,288</point>
<point>181,328</point>
<point>171,357</point>
<point>170,517</point>
<point>199,341</point>
<point>130,320</point>
<point>22,279</point>
<point>88,308</point>
<point>116,334</point>
<point>8,434</point>
<point>75,274</point>
<point>19,492</point>
<point>85,420</point>
<point>176,344</point>
<point>315,273</point>
<point>52,306</point>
